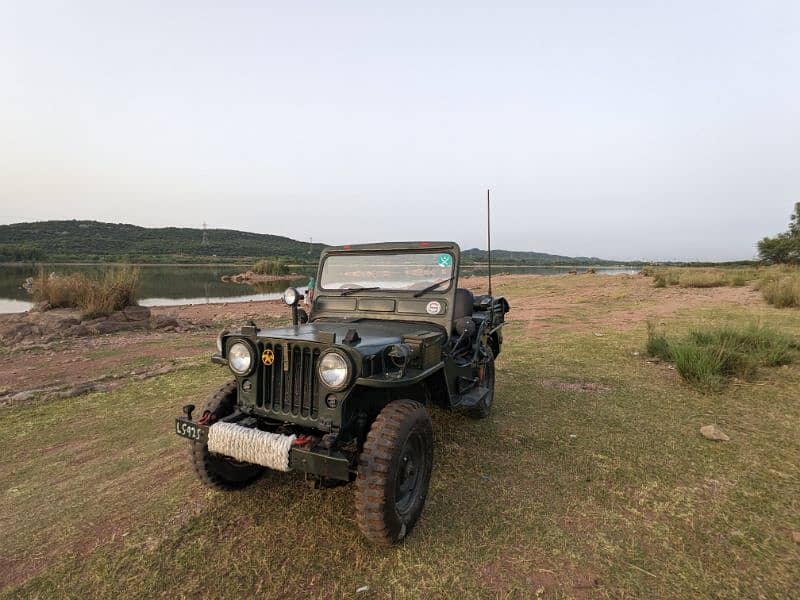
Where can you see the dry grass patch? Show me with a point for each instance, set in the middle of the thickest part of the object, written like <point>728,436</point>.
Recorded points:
<point>781,288</point>
<point>690,277</point>
<point>94,296</point>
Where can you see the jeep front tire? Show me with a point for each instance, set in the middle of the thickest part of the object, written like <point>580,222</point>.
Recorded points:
<point>394,472</point>
<point>214,470</point>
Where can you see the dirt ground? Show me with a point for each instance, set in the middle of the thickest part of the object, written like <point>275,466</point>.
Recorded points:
<point>590,478</point>
<point>539,303</point>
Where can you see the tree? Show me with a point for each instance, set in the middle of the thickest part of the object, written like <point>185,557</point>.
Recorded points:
<point>784,247</point>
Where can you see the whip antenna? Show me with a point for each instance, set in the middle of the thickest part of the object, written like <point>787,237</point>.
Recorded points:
<point>489,237</point>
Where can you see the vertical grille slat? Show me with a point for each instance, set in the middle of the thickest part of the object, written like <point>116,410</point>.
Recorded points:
<point>290,389</point>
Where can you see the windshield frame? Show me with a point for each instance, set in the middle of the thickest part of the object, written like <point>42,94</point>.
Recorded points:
<point>383,290</point>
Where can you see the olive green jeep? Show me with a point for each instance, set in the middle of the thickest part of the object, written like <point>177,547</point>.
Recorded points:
<point>343,394</point>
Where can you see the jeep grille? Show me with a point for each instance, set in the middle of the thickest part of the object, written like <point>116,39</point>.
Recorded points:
<point>290,383</point>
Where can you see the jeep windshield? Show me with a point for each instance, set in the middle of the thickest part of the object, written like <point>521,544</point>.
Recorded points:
<point>406,271</point>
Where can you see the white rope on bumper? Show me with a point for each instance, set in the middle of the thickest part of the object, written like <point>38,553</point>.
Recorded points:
<point>251,445</point>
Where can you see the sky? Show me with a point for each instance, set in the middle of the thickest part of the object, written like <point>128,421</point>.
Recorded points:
<point>624,130</point>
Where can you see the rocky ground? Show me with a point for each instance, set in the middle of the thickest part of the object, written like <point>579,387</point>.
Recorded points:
<point>84,355</point>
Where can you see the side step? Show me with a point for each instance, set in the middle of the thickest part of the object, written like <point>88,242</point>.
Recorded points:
<point>471,398</point>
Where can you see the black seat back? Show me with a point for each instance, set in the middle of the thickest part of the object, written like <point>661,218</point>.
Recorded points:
<point>463,304</point>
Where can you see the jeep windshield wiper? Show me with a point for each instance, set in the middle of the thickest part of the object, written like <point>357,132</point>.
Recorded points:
<point>433,286</point>
<point>349,291</point>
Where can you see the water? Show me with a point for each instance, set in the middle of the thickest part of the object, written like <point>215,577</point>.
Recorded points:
<point>158,285</point>
<point>167,286</point>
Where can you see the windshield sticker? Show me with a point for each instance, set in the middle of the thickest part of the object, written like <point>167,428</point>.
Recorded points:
<point>445,260</point>
<point>434,307</point>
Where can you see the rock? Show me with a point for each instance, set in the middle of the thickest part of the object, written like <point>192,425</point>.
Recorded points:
<point>80,331</point>
<point>109,327</point>
<point>68,322</point>
<point>796,536</point>
<point>712,432</point>
<point>164,321</point>
<point>136,313</point>
<point>41,306</point>
<point>117,317</point>
<point>23,396</point>
<point>91,322</point>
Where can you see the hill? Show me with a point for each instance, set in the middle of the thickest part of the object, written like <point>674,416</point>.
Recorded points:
<point>532,258</point>
<point>120,242</point>
<point>96,241</point>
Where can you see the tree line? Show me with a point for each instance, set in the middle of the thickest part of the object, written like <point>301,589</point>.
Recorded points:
<point>784,248</point>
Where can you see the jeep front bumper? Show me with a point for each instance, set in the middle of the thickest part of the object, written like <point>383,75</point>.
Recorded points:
<point>324,463</point>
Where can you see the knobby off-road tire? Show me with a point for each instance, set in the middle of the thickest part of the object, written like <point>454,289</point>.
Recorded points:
<point>482,410</point>
<point>394,471</point>
<point>214,470</point>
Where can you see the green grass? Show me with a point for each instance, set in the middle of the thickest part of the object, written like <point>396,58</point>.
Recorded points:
<point>700,277</point>
<point>608,494</point>
<point>709,358</point>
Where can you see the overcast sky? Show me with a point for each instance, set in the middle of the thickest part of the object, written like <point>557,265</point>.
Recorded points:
<point>666,130</point>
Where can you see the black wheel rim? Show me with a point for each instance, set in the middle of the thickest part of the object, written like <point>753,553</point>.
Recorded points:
<point>410,473</point>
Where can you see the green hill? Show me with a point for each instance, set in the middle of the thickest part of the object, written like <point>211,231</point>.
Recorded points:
<point>60,241</point>
<point>95,241</point>
<point>531,258</point>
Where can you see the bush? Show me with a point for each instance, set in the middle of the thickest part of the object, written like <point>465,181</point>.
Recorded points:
<point>94,296</point>
<point>781,289</point>
<point>702,279</point>
<point>707,359</point>
<point>271,267</point>
<point>693,277</point>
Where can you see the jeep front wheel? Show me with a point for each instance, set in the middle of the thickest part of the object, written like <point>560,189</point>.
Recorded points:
<point>215,470</point>
<point>394,471</point>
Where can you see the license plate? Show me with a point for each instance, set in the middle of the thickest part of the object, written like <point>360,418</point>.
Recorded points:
<point>190,430</point>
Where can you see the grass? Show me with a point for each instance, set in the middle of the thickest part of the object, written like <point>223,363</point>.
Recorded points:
<point>608,494</point>
<point>709,358</point>
<point>692,277</point>
<point>270,267</point>
<point>781,288</point>
<point>95,296</point>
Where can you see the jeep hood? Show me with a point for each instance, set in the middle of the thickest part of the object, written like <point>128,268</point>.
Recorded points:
<point>373,335</point>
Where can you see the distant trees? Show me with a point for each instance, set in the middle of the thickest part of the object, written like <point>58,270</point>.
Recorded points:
<point>784,247</point>
<point>20,253</point>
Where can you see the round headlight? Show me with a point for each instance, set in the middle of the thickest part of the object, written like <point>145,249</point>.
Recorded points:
<point>291,296</point>
<point>240,358</point>
<point>334,370</point>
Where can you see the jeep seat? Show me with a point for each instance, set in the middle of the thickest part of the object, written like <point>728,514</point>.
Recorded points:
<point>463,304</point>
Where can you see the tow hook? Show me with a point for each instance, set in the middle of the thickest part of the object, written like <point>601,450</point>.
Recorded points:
<point>303,440</point>
<point>205,420</point>
<point>187,410</point>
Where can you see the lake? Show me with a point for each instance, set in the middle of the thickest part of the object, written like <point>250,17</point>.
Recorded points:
<point>172,285</point>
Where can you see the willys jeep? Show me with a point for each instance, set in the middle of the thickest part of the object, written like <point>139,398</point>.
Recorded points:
<point>343,394</point>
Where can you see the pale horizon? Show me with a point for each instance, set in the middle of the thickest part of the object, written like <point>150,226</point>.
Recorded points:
<point>621,131</point>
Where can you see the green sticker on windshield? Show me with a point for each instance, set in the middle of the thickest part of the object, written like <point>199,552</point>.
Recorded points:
<point>445,260</point>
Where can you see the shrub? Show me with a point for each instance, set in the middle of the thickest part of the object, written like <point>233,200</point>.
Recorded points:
<point>781,290</point>
<point>271,267</point>
<point>657,343</point>
<point>702,279</point>
<point>94,296</point>
<point>708,358</point>
<point>693,277</point>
